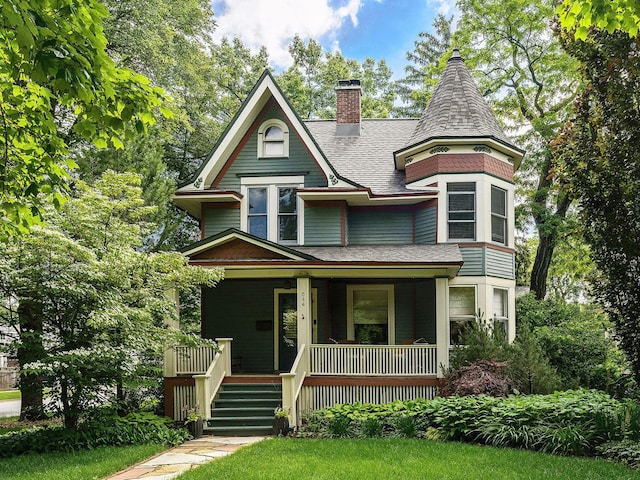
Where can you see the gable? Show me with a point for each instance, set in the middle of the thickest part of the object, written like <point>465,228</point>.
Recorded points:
<point>245,162</point>
<point>238,249</point>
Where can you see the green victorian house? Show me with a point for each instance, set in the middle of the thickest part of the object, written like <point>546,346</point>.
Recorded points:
<point>354,251</point>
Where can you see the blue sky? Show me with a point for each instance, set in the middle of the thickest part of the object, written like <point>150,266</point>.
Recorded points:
<point>358,28</point>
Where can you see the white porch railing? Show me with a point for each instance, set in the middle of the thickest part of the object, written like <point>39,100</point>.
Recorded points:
<point>373,360</point>
<point>207,385</point>
<point>292,383</point>
<point>180,360</point>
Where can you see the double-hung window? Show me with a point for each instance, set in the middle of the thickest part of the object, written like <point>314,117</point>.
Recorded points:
<point>501,309</point>
<point>272,211</point>
<point>461,198</point>
<point>498,215</point>
<point>462,310</point>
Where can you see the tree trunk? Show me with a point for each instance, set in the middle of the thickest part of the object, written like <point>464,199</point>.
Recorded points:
<point>30,349</point>
<point>540,269</point>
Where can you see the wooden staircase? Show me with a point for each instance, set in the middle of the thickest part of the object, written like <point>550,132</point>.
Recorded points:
<point>244,409</point>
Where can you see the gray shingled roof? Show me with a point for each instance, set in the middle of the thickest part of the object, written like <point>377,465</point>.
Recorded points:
<point>366,159</point>
<point>434,254</point>
<point>457,109</point>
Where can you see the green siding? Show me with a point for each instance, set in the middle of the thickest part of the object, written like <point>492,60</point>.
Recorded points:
<point>500,264</point>
<point>426,225</point>
<point>228,313</point>
<point>384,227</point>
<point>323,226</point>
<point>219,219</point>
<point>473,258</point>
<point>247,161</point>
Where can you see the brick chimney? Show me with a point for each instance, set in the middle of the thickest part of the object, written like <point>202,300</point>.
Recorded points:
<point>348,95</point>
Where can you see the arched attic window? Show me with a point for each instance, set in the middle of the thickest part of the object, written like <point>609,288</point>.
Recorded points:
<point>273,139</point>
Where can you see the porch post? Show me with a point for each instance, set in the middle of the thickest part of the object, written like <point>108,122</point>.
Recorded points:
<point>442,324</point>
<point>305,328</point>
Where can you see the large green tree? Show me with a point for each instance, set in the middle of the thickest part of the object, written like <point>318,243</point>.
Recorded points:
<point>98,305</point>
<point>609,15</point>
<point>311,81</point>
<point>601,163</point>
<point>57,84</point>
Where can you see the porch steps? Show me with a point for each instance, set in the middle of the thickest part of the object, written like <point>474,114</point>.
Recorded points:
<point>244,409</point>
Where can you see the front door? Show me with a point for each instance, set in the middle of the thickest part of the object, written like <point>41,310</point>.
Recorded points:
<point>286,326</point>
<point>287,330</point>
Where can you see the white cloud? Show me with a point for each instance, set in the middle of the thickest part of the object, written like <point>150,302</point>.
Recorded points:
<point>273,23</point>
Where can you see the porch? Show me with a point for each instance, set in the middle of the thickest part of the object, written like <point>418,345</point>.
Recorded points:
<point>321,375</point>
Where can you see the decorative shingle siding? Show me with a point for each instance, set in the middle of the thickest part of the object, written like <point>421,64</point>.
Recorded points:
<point>247,161</point>
<point>459,162</point>
<point>473,258</point>
<point>383,227</point>
<point>323,226</point>
<point>216,220</point>
<point>500,264</point>
<point>426,225</point>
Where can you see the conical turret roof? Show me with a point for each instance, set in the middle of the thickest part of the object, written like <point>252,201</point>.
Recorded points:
<point>457,109</point>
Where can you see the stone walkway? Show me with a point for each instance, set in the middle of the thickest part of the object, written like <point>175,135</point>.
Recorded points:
<point>179,459</point>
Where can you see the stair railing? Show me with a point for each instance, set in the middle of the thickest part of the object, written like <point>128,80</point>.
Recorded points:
<point>207,385</point>
<point>292,383</point>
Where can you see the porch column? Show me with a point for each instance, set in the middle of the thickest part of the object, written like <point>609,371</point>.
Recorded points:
<point>442,324</point>
<point>305,329</point>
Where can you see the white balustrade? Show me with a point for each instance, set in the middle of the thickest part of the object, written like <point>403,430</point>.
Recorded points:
<point>373,360</point>
<point>179,360</point>
<point>207,385</point>
<point>292,383</point>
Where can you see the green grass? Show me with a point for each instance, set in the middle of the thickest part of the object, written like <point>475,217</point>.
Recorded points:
<point>83,465</point>
<point>387,459</point>
<point>10,395</point>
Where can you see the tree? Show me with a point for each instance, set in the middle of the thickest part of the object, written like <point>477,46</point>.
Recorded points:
<point>601,163</point>
<point>609,15</point>
<point>100,303</point>
<point>310,82</point>
<point>426,64</point>
<point>56,84</point>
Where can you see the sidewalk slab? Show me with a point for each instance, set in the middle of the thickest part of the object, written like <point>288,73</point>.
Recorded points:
<point>177,460</point>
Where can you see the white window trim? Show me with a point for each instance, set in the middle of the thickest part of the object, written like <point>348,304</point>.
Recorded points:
<point>272,184</point>
<point>505,218</point>
<point>475,212</point>
<point>462,318</point>
<point>273,122</point>
<point>391,325</point>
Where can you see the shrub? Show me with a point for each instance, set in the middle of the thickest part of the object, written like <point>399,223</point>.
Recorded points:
<point>623,451</point>
<point>101,430</point>
<point>570,422</point>
<point>480,377</point>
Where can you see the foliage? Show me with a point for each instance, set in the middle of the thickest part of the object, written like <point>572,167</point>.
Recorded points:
<point>600,161</point>
<point>621,451</point>
<point>57,82</point>
<point>310,82</point>
<point>382,459</point>
<point>577,341</point>
<point>102,430</point>
<point>527,368</point>
<point>609,15</point>
<point>426,64</point>
<point>479,377</point>
<point>570,422</point>
<point>101,304</point>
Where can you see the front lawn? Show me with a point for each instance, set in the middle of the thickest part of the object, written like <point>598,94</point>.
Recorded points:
<point>385,459</point>
<point>10,395</point>
<point>81,465</point>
